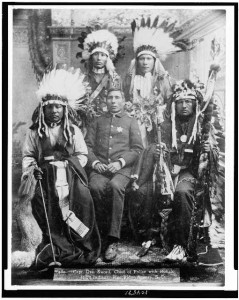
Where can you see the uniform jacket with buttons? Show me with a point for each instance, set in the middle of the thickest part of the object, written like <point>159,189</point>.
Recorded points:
<point>112,137</point>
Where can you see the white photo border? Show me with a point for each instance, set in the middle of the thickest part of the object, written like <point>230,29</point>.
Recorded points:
<point>230,273</point>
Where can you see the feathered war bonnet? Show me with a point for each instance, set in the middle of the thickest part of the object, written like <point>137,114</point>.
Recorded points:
<point>185,89</point>
<point>157,38</point>
<point>64,87</point>
<point>100,41</point>
<point>154,38</point>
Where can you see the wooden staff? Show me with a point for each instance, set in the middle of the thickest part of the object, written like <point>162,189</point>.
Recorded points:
<point>54,263</point>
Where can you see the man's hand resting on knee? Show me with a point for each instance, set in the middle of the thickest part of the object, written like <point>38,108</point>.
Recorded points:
<point>100,168</point>
<point>114,167</point>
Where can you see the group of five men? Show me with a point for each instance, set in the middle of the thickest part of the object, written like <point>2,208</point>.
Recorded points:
<point>85,208</point>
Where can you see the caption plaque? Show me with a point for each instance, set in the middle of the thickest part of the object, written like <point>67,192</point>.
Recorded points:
<point>161,275</point>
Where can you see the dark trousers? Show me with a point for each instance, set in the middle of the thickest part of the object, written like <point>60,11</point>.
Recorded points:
<point>108,194</point>
<point>182,207</point>
<point>143,211</point>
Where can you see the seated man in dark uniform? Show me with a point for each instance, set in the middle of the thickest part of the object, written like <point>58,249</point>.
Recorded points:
<point>114,144</point>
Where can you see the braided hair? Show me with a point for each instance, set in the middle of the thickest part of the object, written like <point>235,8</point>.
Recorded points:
<point>39,123</point>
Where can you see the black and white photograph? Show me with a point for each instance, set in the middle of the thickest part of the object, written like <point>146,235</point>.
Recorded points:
<point>120,147</point>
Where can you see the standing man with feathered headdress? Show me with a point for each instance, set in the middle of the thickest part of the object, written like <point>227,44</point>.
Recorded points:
<point>146,78</point>
<point>99,51</point>
<point>54,184</point>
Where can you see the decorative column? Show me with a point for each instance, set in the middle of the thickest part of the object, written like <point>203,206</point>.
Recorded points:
<point>64,37</point>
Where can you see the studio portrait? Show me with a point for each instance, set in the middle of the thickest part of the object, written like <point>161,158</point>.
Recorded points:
<point>117,138</point>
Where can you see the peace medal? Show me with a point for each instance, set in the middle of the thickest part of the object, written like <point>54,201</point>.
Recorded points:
<point>183,138</point>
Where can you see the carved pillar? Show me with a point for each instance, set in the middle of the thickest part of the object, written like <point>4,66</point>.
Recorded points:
<point>62,36</point>
<point>62,39</point>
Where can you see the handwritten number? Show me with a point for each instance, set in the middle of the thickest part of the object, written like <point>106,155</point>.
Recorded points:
<point>136,293</point>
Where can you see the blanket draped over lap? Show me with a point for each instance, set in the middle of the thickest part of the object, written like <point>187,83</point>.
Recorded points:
<point>70,248</point>
<point>69,205</point>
